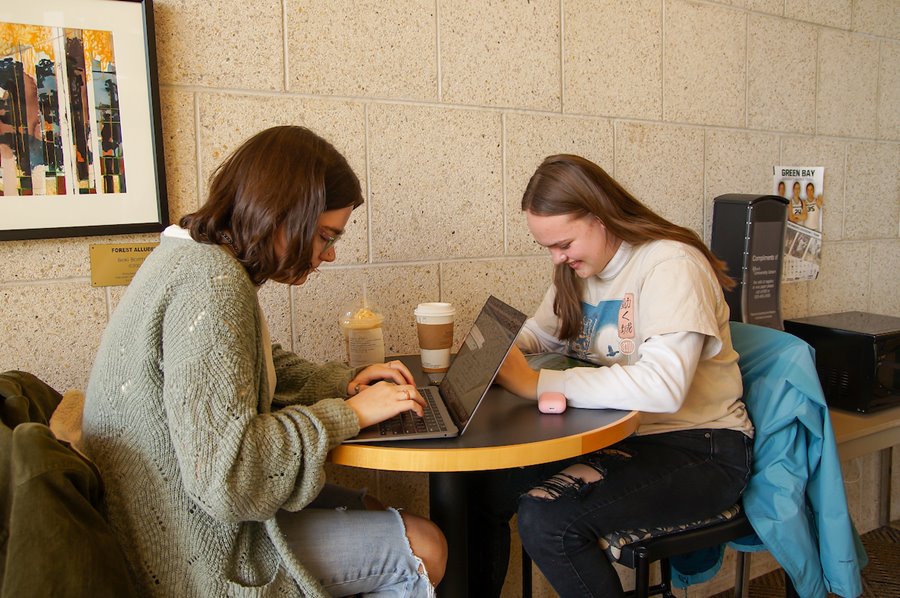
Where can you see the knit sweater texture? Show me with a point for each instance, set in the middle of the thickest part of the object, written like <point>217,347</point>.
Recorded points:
<point>195,457</point>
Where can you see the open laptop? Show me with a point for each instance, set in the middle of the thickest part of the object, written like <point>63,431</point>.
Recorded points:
<point>451,406</point>
<point>557,361</point>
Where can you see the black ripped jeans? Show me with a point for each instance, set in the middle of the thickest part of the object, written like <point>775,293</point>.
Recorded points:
<point>642,482</point>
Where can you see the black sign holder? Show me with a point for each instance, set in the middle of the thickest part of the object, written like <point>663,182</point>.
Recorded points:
<point>748,234</point>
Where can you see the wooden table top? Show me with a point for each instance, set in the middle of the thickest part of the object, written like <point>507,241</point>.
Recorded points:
<point>857,434</point>
<point>506,431</point>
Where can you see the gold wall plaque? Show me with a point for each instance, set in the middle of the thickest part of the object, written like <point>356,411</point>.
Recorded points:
<point>115,265</point>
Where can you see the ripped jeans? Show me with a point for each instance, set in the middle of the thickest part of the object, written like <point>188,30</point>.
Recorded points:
<point>565,507</point>
<point>353,551</point>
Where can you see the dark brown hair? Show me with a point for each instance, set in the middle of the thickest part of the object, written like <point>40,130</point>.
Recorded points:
<point>283,177</point>
<point>567,184</point>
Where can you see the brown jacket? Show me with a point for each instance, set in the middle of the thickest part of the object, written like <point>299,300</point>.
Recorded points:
<point>54,540</point>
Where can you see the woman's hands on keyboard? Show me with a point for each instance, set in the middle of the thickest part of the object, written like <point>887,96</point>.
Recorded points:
<point>384,400</point>
<point>392,371</point>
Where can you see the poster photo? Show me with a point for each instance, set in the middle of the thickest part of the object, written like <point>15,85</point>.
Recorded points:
<point>803,187</point>
<point>80,131</point>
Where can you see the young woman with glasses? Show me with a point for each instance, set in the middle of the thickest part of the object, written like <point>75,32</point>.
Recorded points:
<point>642,297</point>
<point>210,440</point>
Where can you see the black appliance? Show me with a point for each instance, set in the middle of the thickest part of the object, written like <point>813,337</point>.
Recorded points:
<point>857,357</point>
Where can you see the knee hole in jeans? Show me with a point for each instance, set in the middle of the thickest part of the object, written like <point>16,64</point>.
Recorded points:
<point>571,479</point>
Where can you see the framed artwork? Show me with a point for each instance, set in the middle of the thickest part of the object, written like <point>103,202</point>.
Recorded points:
<point>80,130</point>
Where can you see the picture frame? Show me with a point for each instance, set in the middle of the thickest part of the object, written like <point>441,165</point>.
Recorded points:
<point>81,150</point>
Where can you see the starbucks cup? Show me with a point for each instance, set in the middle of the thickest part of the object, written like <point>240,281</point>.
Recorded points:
<point>434,324</point>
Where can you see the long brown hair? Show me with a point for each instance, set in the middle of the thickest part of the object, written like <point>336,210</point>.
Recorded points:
<point>567,184</point>
<point>283,177</point>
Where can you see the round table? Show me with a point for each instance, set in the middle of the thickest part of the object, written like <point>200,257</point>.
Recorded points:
<point>505,431</point>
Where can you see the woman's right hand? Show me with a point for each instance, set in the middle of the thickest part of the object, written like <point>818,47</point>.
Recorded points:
<point>384,400</point>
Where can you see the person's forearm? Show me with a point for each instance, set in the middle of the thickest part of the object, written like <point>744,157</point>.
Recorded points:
<point>516,375</point>
<point>523,384</point>
<point>658,383</point>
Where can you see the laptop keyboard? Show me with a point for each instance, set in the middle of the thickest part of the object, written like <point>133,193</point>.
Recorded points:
<point>408,422</point>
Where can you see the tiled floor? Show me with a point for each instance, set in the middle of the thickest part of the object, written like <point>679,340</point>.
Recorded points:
<point>881,577</point>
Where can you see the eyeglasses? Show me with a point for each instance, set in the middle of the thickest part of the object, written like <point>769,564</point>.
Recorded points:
<point>330,240</point>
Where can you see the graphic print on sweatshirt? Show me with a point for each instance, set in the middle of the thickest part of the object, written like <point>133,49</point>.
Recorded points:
<point>599,338</point>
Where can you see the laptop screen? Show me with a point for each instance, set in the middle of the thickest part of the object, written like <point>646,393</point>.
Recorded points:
<point>479,358</point>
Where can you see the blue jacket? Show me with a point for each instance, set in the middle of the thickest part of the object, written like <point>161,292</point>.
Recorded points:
<point>795,498</point>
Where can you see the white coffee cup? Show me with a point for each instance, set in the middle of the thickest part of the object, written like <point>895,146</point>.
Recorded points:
<point>434,324</point>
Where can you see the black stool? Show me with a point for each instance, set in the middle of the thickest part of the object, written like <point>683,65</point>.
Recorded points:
<point>663,545</point>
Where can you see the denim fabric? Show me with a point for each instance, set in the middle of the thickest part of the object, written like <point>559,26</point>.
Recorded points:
<point>646,481</point>
<point>353,551</point>
<point>333,496</point>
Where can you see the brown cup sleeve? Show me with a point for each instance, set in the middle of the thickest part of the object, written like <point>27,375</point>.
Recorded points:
<point>435,336</point>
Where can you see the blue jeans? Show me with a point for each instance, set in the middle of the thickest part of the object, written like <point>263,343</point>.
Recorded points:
<point>643,481</point>
<point>354,551</point>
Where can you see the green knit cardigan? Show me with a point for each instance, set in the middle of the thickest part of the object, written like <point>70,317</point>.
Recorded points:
<point>195,458</point>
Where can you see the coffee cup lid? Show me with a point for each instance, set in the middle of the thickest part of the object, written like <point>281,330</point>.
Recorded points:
<point>435,309</point>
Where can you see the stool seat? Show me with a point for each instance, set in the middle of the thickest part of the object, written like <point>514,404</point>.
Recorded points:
<point>620,546</point>
<point>637,549</point>
<point>640,554</point>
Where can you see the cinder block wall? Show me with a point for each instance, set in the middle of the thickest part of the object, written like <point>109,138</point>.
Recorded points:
<point>444,108</point>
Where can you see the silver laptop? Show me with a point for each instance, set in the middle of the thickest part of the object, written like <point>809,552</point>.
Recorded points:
<point>452,405</point>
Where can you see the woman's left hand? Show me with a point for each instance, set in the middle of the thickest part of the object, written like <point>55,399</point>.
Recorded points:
<point>392,371</point>
<point>516,375</point>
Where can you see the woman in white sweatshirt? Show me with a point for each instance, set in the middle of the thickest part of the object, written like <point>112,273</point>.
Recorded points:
<point>642,297</point>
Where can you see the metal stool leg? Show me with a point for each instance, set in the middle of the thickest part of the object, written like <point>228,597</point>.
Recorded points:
<point>526,574</point>
<point>642,577</point>
<point>665,575</point>
<point>742,575</point>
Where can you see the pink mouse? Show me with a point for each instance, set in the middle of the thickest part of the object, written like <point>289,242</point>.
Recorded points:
<point>552,402</point>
